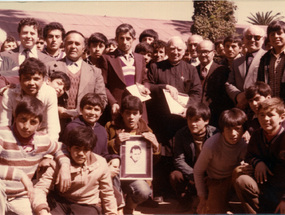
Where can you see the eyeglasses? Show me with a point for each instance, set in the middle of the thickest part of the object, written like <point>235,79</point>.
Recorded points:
<point>256,37</point>
<point>204,52</point>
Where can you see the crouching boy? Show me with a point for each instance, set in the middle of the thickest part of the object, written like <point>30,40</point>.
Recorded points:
<point>90,180</point>
<point>220,155</point>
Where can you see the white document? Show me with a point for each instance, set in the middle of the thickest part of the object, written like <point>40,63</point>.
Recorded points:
<point>133,89</point>
<point>176,106</point>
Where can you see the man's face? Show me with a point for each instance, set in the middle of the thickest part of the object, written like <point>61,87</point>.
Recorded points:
<point>206,53</point>
<point>91,114</point>
<point>40,44</point>
<point>58,85</point>
<point>192,45</point>
<point>9,46</point>
<point>255,101</point>
<point>131,118</point>
<point>148,40</point>
<point>232,50</point>
<point>125,41</point>
<point>270,121</point>
<point>136,154</point>
<point>74,46</point>
<point>253,40</point>
<point>277,39</point>
<point>96,49</point>
<point>28,36</point>
<point>159,54</point>
<point>197,125</point>
<point>175,51</point>
<point>31,84</point>
<point>78,154</point>
<point>54,40</point>
<point>27,124</point>
<point>233,134</point>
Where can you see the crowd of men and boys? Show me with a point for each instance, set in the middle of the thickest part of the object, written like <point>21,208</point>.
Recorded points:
<point>66,111</point>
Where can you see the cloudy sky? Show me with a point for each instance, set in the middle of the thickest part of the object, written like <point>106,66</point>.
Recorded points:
<point>175,10</point>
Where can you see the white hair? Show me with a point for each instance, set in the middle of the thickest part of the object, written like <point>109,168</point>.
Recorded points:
<point>255,27</point>
<point>176,38</point>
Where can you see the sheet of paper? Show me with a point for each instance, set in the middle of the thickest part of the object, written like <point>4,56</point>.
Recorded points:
<point>176,106</point>
<point>133,89</point>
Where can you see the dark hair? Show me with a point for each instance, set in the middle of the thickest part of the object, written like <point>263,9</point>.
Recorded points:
<point>231,118</point>
<point>143,48</point>
<point>158,44</point>
<point>131,103</point>
<point>148,33</point>
<point>32,66</point>
<point>97,38</point>
<point>135,147</point>
<point>200,110</point>
<point>92,99</point>
<point>258,87</point>
<point>81,136</point>
<point>61,75</point>
<point>53,26</point>
<point>124,28</point>
<point>275,26</point>
<point>218,42</point>
<point>75,32</point>
<point>30,105</point>
<point>30,22</point>
<point>111,41</point>
<point>272,104</point>
<point>233,39</point>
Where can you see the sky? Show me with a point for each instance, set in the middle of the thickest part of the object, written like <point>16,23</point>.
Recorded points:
<point>149,9</point>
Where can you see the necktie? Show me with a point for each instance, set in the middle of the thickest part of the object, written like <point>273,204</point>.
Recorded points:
<point>204,73</point>
<point>249,58</point>
<point>27,53</point>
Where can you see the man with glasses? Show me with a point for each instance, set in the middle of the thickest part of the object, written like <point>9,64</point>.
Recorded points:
<point>192,43</point>
<point>213,78</point>
<point>244,68</point>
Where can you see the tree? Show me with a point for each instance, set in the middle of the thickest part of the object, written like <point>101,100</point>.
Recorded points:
<point>263,18</point>
<point>213,19</point>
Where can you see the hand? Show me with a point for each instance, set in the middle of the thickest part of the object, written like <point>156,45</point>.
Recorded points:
<point>144,91</point>
<point>183,113</point>
<point>280,207</point>
<point>122,136</point>
<point>29,186</point>
<point>173,91</point>
<point>64,178</point>
<point>115,111</point>
<point>247,169</point>
<point>241,101</point>
<point>152,139</point>
<point>114,167</point>
<point>260,172</point>
<point>246,136</point>
<point>44,212</point>
<point>202,205</point>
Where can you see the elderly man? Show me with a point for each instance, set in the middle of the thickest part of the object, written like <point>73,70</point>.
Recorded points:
<point>213,78</point>
<point>245,68</point>
<point>192,43</point>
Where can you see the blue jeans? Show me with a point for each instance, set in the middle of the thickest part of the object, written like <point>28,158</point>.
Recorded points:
<point>138,190</point>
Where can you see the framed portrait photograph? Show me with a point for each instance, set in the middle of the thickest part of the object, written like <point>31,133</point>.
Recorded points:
<point>136,159</point>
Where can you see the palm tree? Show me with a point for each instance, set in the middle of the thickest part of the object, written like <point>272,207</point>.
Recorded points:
<point>264,18</point>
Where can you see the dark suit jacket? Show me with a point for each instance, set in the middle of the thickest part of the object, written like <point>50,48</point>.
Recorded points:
<point>14,55</point>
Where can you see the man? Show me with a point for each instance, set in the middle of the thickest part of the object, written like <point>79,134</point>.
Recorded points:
<point>28,29</point>
<point>84,77</point>
<point>193,41</point>
<point>232,47</point>
<point>213,78</point>
<point>54,34</point>
<point>244,69</point>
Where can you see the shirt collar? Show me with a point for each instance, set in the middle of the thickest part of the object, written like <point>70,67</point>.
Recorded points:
<point>208,66</point>
<point>33,50</point>
<point>78,63</point>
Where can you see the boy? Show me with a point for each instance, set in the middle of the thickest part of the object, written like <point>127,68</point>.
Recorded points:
<point>263,191</point>
<point>91,181</point>
<point>146,50</point>
<point>31,74</point>
<point>111,46</point>
<point>158,50</point>
<point>220,155</point>
<point>21,149</point>
<point>40,43</point>
<point>188,145</point>
<point>9,44</point>
<point>232,48</point>
<point>148,36</point>
<point>128,123</point>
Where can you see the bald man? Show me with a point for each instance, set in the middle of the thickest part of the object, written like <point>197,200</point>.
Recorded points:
<point>245,68</point>
<point>192,44</point>
<point>213,78</point>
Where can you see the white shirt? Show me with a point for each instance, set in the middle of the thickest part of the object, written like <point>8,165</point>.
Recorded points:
<point>72,66</point>
<point>22,55</point>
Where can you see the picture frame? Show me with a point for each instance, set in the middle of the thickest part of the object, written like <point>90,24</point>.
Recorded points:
<point>136,159</point>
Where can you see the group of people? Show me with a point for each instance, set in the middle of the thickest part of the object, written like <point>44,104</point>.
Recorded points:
<point>66,111</point>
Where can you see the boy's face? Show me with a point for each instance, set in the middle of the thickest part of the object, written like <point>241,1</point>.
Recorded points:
<point>40,44</point>
<point>277,38</point>
<point>147,57</point>
<point>135,155</point>
<point>131,118</point>
<point>159,54</point>
<point>74,46</point>
<point>28,36</point>
<point>125,41</point>
<point>110,48</point>
<point>91,114</point>
<point>232,50</point>
<point>54,39</point>
<point>31,84</point>
<point>58,85</point>
<point>255,101</point>
<point>233,134</point>
<point>148,40</point>
<point>270,121</point>
<point>78,154</point>
<point>27,124</point>
<point>197,125</point>
<point>9,46</point>
<point>97,49</point>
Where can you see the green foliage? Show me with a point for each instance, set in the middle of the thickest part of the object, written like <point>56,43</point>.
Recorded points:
<point>213,19</point>
<point>263,18</point>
